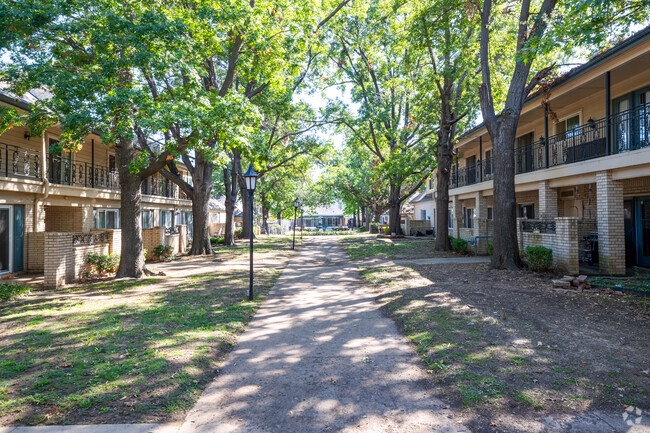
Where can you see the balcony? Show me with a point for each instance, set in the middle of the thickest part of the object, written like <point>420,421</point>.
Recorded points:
<point>20,162</point>
<point>162,187</point>
<point>630,130</point>
<point>61,170</point>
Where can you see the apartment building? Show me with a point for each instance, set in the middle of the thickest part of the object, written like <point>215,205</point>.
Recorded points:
<point>54,208</point>
<point>582,160</point>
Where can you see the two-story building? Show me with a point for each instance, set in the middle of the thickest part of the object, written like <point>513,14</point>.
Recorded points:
<point>71,193</point>
<point>582,160</point>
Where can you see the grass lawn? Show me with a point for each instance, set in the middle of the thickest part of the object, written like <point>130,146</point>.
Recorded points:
<point>122,351</point>
<point>264,245</point>
<point>504,345</point>
<point>369,246</point>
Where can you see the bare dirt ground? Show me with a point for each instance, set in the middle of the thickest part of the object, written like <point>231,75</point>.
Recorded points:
<point>509,351</point>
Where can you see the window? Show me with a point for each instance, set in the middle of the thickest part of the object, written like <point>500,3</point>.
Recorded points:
<point>423,214</point>
<point>470,163</point>
<point>488,163</point>
<point>490,213</point>
<point>568,126</point>
<point>111,163</point>
<point>469,218</point>
<point>147,219</point>
<point>525,153</point>
<point>214,218</point>
<point>527,211</point>
<point>165,218</point>
<point>450,219</point>
<point>107,218</point>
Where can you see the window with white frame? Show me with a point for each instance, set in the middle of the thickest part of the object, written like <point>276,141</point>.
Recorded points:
<point>568,126</point>
<point>147,219</point>
<point>107,218</point>
<point>423,214</point>
<point>165,218</point>
<point>214,218</point>
<point>469,218</point>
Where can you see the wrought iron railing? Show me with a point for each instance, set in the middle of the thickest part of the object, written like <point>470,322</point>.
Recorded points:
<point>90,238</point>
<point>630,130</point>
<point>18,161</point>
<point>538,226</point>
<point>163,188</point>
<point>62,170</point>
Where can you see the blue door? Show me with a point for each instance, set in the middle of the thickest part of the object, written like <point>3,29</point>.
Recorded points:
<point>19,234</point>
<point>643,230</point>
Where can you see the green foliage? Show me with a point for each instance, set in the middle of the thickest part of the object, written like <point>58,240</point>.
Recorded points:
<point>216,241</point>
<point>458,245</point>
<point>490,248</point>
<point>385,230</point>
<point>103,263</point>
<point>163,252</point>
<point>10,290</point>
<point>540,259</point>
<point>239,232</point>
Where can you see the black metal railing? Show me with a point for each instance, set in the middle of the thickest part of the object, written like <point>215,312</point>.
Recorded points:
<point>61,170</point>
<point>90,238</point>
<point>18,161</point>
<point>630,130</point>
<point>163,188</point>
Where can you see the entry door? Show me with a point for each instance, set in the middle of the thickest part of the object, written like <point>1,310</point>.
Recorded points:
<point>19,234</point>
<point>5,239</point>
<point>643,230</point>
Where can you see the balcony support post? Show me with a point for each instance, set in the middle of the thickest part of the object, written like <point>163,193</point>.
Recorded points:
<point>480,157</point>
<point>608,117</point>
<point>457,174</point>
<point>546,134</point>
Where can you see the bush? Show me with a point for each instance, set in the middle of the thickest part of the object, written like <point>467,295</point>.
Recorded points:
<point>9,290</point>
<point>374,227</point>
<point>103,263</point>
<point>458,245</point>
<point>163,252</point>
<point>385,230</point>
<point>540,259</point>
<point>490,248</point>
<point>216,241</point>
<point>239,232</point>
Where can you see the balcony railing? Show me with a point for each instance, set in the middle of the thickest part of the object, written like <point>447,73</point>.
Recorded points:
<point>630,130</point>
<point>20,162</point>
<point>62,171</point>
<point>162,188</point>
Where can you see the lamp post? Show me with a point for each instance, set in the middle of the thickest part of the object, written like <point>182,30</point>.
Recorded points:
<point>251,180</point>
<point>296,203</point>
<point>302,220</point>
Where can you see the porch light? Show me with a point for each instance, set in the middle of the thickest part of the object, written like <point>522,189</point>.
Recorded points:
<point>251,179</point>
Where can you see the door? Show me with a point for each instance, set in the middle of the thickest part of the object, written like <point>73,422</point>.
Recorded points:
<point>19,234</point>
<point>471,170</point>
<point>629,213</point>
<point>643,231</point>
<point>5,239</point>
<point>525,153</point>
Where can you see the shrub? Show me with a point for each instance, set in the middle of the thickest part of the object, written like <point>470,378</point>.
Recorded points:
<point>239,232</point>
<point>163,252</point>
<point>9,290</point>
<point>103,263</point>
<point>540,259</point>
<point>385,230</point>
<point>216,241</point>
<point>490,248</point>
<point>374,227</point>
<point>458,245</point>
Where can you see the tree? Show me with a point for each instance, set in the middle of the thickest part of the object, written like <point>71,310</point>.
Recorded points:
<point>371,53</point>
<point>88,55</point>
<point>447,34</point>
<point>542,33</point>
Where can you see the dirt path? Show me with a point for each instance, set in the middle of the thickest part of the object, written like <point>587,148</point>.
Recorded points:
<point>319,356</point>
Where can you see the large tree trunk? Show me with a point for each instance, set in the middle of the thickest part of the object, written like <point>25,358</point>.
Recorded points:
<point>131,258</point>
<point>394,210</point>
<point>443,174</point>
<point>506,249</point>
<point>231,188</point>
<point>201,194</point>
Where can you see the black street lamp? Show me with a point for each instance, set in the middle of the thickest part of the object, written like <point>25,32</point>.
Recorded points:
<point>296,203</point>
<point>302,220</point>
<point>251,181</point>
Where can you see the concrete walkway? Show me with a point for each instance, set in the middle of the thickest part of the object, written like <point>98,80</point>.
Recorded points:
<point>319,356</point>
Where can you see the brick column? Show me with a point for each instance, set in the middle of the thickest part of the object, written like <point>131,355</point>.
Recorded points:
<point>481,222</point>
<point>547,201</point>
<point>87,219</point>
<point>457,210</point>
<point>565,245</point>
<point>611,234</point>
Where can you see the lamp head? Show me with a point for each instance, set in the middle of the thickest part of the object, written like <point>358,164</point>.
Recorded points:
<point>251,178</point>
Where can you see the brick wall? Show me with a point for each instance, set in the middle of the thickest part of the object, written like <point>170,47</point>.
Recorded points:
<point>63,262</point>
<point>611,232</point>
<point>636,186</point>
<point>36,251</point>
<point>64,219</point>
<point>415,226</point>
<point>564,243</point>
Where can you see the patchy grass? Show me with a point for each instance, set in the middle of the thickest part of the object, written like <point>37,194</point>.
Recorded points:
<point>263,246</point>
<point>123,351</point>
<point>11,290</point>
<point>359,247</point>
<point>638,283</point>
<point>498,342</point>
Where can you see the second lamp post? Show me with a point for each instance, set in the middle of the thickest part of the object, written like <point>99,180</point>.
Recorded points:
<point>296,205</point>
<point>251,181</point>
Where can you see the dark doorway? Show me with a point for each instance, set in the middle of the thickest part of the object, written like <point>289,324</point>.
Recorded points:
<point>5,239</point>
<point>630,232</point>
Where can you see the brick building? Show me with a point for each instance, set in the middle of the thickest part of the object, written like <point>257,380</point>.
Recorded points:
<point>582,161</point>
<point>53,206</point>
